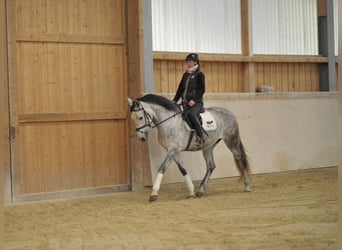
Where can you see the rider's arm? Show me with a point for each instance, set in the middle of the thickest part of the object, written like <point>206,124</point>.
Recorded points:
<point>180,91</point>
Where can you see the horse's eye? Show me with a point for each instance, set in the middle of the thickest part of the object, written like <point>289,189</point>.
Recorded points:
<point>140,118</point>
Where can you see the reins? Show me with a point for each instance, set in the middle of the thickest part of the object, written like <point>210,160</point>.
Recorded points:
<point>175,114</point>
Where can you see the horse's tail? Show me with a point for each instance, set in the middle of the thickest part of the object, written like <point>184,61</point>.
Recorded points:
<point>243,160</point>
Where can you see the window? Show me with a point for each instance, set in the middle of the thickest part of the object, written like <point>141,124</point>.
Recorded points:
<point>196,25</point>
<point>287,27</point>
<point>284,27</point>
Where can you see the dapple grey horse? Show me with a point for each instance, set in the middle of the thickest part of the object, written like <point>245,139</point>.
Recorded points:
<point>157,111</point>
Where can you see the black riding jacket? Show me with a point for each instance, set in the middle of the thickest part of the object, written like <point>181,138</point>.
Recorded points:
<point>196,87</point>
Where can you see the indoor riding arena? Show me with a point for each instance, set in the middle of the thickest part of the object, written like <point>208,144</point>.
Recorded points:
<point>76,176</point>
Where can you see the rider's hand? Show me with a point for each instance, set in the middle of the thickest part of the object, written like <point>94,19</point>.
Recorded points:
<point>191,103</point>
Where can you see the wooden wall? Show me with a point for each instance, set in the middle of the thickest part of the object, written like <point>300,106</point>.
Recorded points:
<point>227,73</point>
<point>288,77</point>
<point>219,76</point>
<point>68,97</point>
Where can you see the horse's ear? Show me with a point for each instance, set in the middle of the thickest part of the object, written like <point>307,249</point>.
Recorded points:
<point>130,101</point>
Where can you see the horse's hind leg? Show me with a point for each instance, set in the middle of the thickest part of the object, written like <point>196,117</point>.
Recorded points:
<point>187,178</point>
<point>209,160</point>
<point>241,164</point>
<point>240,158</point>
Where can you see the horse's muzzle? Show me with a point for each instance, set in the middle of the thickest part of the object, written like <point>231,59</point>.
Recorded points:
<point>142,135</point>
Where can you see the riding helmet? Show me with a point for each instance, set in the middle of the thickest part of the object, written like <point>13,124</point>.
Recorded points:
<point>192,57</point>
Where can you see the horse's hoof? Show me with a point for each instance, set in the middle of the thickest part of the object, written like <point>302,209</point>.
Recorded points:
<point>153,198</point>
<point>199,194</point>
<point>191,196</point>
<point>247,189</point>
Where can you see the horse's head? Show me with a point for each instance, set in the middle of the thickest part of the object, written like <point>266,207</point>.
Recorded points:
<point>142,119</point>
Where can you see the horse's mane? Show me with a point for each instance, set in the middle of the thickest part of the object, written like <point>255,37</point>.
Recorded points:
<point>160,100</point>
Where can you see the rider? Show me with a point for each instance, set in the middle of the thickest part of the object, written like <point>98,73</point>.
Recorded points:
<point>191,89</point>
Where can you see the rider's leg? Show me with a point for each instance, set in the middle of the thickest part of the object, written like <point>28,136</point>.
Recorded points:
<point>194,110</point>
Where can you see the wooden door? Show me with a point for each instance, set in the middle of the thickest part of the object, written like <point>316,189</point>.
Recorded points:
<point>68,89</point>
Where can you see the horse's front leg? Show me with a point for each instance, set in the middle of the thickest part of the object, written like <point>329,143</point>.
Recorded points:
<point>186,176</point>
<point>161,171</point>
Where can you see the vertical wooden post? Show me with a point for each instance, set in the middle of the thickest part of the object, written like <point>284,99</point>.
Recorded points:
<point>140,163</point>
<point>4,116</point>
<point>248,68</point>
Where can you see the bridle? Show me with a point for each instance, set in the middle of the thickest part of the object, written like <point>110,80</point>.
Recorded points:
<point>148,118</point>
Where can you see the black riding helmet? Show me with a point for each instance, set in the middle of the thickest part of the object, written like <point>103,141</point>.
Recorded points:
<point>192,57</point>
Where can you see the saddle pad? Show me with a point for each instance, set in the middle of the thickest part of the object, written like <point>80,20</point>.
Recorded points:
<point>208,121</point>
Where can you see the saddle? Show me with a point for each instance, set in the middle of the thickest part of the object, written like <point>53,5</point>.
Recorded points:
<point>205,118</point>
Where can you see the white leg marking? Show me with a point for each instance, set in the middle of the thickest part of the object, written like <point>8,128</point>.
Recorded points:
<point>247,188</point>
<point>156,185</point>
<point>190,185</point>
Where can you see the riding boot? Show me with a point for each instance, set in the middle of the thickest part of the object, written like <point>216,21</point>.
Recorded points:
<point>199,130</point>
